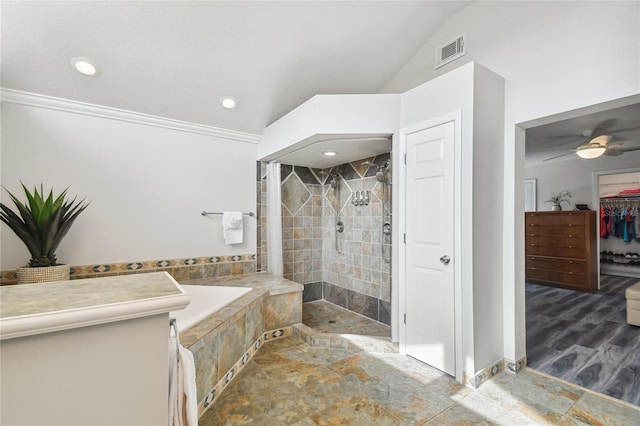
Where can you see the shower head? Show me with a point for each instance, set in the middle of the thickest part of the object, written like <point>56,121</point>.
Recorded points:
<point>332,177</point>
<point>382,169</point>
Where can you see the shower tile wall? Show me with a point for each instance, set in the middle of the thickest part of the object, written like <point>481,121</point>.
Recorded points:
<point>301,225</point>
<point>356,276</point>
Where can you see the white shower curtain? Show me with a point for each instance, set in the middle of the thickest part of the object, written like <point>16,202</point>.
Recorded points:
<point>274,220</point>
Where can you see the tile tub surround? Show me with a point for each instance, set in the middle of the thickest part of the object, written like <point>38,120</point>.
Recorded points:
<point>179,269</point>
<point>224,342</point>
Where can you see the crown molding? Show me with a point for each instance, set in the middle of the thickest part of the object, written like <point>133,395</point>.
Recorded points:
<point>42,101</point>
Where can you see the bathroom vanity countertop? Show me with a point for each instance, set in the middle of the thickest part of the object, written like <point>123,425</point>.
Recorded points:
<point>275,285</point>
<point>44,307</point>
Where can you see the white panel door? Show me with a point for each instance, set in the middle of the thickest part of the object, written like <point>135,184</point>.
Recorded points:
<point>430,335</point>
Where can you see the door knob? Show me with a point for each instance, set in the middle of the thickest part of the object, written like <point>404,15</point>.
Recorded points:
<point>445,259</point>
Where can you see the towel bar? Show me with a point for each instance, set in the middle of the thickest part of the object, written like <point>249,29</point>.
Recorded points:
<point>205,213</point>
<point>173,323</point>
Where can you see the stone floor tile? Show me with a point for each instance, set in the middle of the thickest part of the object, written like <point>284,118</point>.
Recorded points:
<point>457,415</point>
<point>356,410</point>
<point>401,395</point>
<point>596,410</point>
<point>291,383</point>
<point>533,389</point>
<point>501,410</point>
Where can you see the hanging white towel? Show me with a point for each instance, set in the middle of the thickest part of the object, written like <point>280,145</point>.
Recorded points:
<point>183,404</point>
<point>232,227</point>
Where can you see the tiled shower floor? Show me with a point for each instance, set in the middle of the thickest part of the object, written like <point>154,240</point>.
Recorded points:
<point>326,317</point>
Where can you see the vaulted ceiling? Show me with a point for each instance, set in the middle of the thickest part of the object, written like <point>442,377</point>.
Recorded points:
<point>176,59</point>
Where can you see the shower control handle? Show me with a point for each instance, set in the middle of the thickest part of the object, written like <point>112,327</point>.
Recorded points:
<point>445,259</point>
<point>386,228</point>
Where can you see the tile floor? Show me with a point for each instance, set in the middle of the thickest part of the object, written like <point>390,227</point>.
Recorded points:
<point>584,337</point>
<point>326,317</point>
<point>291,383</point>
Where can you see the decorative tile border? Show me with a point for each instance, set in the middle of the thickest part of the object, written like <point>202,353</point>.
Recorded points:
<point>515,366</point>
<point>213,395</point>
<point>179,269</point>
<point>483,375</point>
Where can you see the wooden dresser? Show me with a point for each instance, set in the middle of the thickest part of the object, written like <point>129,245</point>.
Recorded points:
<point>561,249</point>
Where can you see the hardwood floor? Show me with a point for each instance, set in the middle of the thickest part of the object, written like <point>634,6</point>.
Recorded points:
<point>584,337</point>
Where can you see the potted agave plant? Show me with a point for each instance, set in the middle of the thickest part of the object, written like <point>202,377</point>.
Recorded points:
<point>41,223</point>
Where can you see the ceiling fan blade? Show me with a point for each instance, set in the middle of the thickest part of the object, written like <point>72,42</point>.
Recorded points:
<point>535,151</point>
<point>613,152</point>
<point>627,129</point>
<point>602,128</point>
<point>557,156</point>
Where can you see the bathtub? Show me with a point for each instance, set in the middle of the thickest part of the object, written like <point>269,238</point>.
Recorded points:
<point>205,300</point>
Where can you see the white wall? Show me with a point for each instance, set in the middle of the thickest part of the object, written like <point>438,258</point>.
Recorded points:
<point>478,94</point>
<point>574,174</point>
<point>330,114</point>
<point>555,57</point>
<point>147,185</point>
<point>105,374</point>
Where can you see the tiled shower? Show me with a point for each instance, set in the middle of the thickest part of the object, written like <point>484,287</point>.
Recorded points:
<point>351,268</point>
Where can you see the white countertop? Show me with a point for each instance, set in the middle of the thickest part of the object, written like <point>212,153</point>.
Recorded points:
<point>29,309</point>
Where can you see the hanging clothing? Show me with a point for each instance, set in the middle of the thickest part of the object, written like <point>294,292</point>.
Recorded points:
<point>603,223</point>
<point>631,223</point>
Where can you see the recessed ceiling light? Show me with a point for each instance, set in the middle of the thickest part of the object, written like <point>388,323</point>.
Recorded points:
<point>228,102</point>
<point>85,66</point>
<point>330,153</point>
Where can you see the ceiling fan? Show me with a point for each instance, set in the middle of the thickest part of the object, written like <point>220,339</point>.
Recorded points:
<point>598,143</point>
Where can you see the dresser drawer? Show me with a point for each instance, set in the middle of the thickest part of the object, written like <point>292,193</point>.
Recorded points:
<point>555,219</point>
<point>557,241</point>
<point>575,253</point>
<point>555,230</point>
<point>555,265</point>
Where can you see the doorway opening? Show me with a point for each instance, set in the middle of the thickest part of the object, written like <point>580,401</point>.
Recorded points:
<point>582,336</point>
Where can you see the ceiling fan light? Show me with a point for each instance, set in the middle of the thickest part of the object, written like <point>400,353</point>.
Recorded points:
<point>591,151</point>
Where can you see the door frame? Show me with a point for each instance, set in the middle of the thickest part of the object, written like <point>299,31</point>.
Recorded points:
<point>595,196</point>
<point>401,187</point>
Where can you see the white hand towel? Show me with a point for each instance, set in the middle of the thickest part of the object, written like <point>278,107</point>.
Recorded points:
<point>183,404</point>
<point>188,403</point>
<point>232,227</point>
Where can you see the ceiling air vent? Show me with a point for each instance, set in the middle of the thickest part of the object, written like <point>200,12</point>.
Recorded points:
<point>450,51</point>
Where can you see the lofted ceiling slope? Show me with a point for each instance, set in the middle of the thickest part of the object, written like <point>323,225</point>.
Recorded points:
<point>176,59</point>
